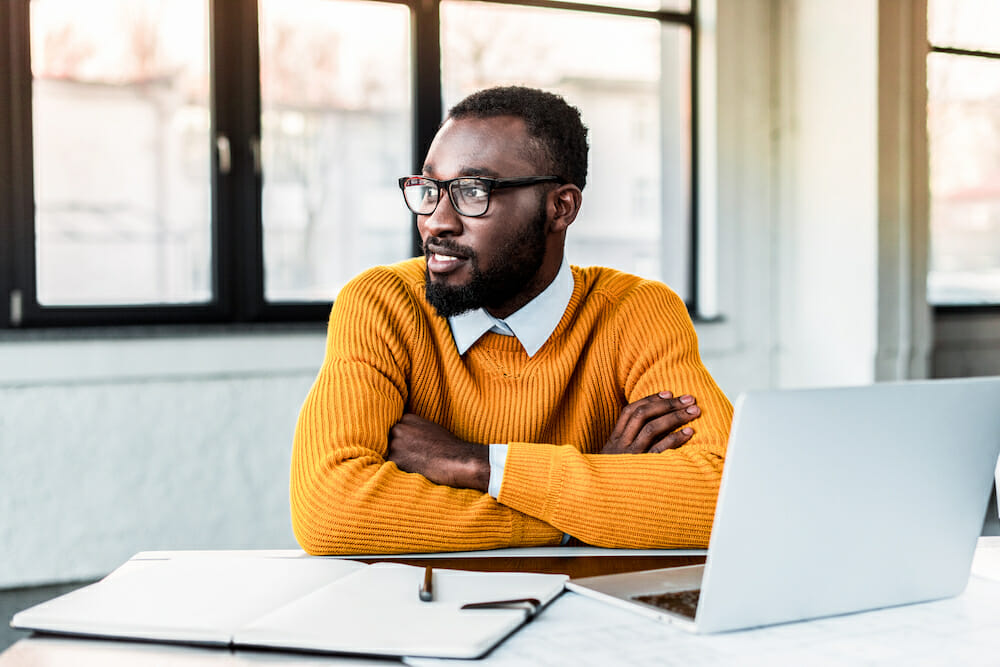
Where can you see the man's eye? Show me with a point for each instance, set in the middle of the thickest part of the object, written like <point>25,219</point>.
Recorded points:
<point>473,190</point>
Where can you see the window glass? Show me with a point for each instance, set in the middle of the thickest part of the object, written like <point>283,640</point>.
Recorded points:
<point>964,134</point>
<point>634,94</point>
<point>964,24</point>
<point>121,151</point>
<point>335,123</point>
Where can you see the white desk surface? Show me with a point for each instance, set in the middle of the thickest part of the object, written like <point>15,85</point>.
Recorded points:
<point>583,632</point>
<point>576,630</point>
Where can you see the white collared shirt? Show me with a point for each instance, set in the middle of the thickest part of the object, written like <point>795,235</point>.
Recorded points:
<point>532,325</point>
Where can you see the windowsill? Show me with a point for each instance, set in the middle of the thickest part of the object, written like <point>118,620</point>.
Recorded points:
<point>43,356</point>
<point>134,354</point>
<point>116,333</point>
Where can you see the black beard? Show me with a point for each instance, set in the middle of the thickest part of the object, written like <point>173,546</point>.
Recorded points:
<point>495,287</point>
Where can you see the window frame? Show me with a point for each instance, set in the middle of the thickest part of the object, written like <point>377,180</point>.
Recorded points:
<point>236,224</point>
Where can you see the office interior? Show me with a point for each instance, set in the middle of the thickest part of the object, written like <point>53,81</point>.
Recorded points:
<point>813,174</point>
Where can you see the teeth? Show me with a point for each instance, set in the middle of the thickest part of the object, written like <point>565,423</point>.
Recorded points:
<point>444,258</point>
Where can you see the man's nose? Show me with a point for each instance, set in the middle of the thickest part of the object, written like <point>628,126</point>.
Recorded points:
<point>444,221</point>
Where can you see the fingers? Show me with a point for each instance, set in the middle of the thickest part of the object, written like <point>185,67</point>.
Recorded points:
<point>672,441</point>
<point>653,424</point>
<point>652,417</point>
<point>662,428</point>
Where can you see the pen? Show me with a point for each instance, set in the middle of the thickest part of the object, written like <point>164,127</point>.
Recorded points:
<point>427,588</point>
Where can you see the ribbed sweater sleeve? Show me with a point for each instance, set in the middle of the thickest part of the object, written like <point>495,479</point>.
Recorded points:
<point>345,497</point>
<point>646,500</point>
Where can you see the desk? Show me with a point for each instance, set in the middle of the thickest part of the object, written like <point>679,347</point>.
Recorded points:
<point>581,631</point>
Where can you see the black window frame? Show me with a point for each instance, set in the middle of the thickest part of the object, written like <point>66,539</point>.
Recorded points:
<point>237,232</point>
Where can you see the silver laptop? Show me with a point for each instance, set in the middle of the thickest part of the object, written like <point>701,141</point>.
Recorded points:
<point>834,501</point>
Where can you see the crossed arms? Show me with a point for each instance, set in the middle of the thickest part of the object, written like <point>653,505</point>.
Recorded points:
<point>650,425</point>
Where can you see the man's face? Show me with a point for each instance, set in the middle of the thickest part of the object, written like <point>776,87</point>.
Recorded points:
<point>495,261</point>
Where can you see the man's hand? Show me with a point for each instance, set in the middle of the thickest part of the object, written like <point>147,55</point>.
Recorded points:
<point>653,424</point>
<point>421,446</point>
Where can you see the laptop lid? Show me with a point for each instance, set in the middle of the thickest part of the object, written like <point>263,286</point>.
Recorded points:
<point>840,500</point>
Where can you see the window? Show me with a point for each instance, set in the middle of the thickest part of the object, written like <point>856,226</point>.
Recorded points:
<point>121,152</point>
<point>191,161</point>
<point>963,78</point>
<point>335,123</point>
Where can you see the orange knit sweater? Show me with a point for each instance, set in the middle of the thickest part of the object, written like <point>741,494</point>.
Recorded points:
<point>388,352</point>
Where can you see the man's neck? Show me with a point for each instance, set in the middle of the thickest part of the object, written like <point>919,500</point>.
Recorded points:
<point>532,324</point>
<point>546,274</point>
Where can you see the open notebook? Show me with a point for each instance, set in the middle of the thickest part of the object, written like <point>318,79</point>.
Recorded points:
<point>271,600</point>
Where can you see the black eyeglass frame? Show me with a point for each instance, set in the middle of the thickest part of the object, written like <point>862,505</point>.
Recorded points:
<point>490,183</point>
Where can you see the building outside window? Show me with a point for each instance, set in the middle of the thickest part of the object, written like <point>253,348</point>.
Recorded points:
<point>963,79</point>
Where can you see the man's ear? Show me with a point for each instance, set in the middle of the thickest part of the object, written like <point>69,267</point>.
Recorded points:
<point>565,203</point>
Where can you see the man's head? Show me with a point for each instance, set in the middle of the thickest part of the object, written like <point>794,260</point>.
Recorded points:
<point>557,132</point>
<point>503,257</point>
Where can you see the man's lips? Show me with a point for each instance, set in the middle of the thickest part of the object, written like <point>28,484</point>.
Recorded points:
<point>443,260</point>
<point>443,263</point>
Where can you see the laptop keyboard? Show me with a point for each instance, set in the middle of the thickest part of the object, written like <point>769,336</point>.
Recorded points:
<point>684,603</point>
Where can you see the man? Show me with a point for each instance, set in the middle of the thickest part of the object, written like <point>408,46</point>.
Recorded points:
<point>490,395</point>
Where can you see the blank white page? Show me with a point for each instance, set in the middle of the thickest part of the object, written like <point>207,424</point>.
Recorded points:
<point>186,599</point>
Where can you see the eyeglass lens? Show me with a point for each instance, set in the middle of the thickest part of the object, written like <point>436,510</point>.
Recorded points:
<point>469,196</point>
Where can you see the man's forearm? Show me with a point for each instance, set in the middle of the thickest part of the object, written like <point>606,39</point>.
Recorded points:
<point>636,501</point>
<point>468,468</point>
<point>420,446</point>
<point>365,507</point>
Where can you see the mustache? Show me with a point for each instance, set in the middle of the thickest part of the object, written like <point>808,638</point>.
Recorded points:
<point>447,245</point>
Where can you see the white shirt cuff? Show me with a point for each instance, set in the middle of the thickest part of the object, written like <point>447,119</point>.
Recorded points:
<point>498,458</point>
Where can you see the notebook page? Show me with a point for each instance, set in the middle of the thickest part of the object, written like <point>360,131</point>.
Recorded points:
<point>188,599</point>
<point>377,611</point>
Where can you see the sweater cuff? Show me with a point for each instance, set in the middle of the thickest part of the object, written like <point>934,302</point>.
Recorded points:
<point>530,482</point>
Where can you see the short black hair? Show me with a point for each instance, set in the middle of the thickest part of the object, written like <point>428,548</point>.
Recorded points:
<point>551,121</point>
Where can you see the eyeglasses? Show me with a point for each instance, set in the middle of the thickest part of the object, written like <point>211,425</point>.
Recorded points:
<point>470,195</point>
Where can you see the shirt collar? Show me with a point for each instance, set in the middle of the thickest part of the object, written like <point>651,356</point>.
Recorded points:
<point>531,325</point>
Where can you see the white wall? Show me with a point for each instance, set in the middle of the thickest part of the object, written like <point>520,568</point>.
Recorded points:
<point>116,446</point>
<point>821,193</point>
<point>111,446</point>
<point>737,177</point>
<point>828,234</point>
<point>905,332</point>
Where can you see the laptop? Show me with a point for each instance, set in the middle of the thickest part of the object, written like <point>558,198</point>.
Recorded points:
<point>834,501</point>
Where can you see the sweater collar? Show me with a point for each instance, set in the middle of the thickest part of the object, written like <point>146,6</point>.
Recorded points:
<point>531,325</point>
